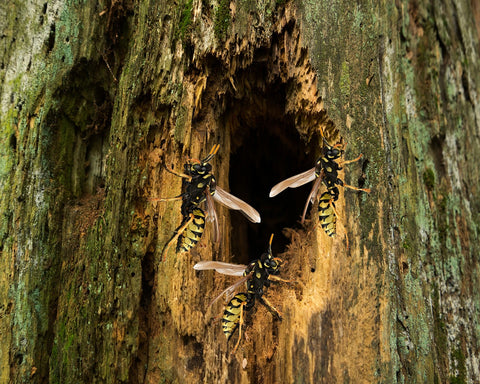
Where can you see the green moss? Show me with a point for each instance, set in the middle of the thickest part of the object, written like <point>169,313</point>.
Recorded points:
<point>439,328</point>
<point>456,380</point>
<point>53,373</point>
<point>185,23</point>
<point>222,19</point>
<point>429,178</point>
<point>65,147</point>
<point>9,144</point>
<point>458,359</point>
<point>180,123</point>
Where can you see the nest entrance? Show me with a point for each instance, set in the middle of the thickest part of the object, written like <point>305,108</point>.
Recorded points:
<point>266,149</point>
<point>270,111</point>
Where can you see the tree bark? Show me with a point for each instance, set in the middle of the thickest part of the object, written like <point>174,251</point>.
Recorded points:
<point>97,97</point>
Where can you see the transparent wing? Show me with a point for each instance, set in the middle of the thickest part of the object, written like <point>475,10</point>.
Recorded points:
<point>312,195</point>
<point>212,215</point>
<point>232,288</point>
<point>293,182</point>
<point>221,267</point>
<point>232,202</point>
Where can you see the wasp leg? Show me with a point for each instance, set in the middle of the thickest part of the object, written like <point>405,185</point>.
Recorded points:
<point>182,175</point>
<point>178,232</point>
<point>330,202</point>
<point>240,326</point>
<point>278,279</point>
<point>166,198</point>
<point>271,308</point>
<point>350,161</point>
<point>367,190</point>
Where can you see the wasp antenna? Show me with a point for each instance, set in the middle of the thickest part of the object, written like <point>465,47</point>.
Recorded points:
<point>325,141</point>
<point>321,131</point>
<point>214,150</point>
<point>212,153</point>
<point>270,244</point>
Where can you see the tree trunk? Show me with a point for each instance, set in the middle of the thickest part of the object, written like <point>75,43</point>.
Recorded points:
<point>97,97</point>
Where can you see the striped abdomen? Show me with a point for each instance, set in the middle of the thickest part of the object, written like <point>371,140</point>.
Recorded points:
<point>231,315</point>
<point>192,234</point>
<point>326,213</point>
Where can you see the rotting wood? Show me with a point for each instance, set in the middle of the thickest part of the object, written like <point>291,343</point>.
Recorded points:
<point>84,296</point>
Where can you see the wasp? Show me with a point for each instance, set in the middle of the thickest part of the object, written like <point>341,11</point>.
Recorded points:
<point>257,275</point>
<point>326,211</point>
<point>326,172</point>
<point>199,185</point>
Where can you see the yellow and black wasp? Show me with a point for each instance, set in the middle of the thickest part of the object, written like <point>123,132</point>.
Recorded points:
<point>257,276</point>
<point>326,171</point>
<point>199,185</point>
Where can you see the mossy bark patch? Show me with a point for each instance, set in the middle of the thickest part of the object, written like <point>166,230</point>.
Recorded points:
<point>97,99</point>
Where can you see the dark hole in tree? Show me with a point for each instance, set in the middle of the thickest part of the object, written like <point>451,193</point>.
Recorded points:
<point>51,38</point>
<point>266,149</point>
<point>13,142</point>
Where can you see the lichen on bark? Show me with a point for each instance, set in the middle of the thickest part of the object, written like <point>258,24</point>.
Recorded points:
<point>97,98</point>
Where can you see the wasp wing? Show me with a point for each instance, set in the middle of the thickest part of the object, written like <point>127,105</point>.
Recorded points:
<point>312,195</point>
<point>232,202</point>
<point>221,267</point>
<point>212,215</point>
<point>293,182</point>
<point>232,288</point>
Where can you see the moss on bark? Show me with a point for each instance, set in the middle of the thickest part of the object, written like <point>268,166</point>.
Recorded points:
<point>95,98</point>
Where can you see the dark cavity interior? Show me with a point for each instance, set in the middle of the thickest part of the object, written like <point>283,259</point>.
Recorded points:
<point>266,149</point>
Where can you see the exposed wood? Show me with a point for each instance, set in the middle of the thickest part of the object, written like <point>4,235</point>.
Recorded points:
<point>97,98</point>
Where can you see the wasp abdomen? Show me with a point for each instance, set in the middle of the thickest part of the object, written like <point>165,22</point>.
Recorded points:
<point>326,213</point>
<point>232,313</point>
<point>193,232</point>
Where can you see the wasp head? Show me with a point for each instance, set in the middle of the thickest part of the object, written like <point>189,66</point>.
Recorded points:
<point>196,167</point>
<point>333,152</point>
<point>271,264</point>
